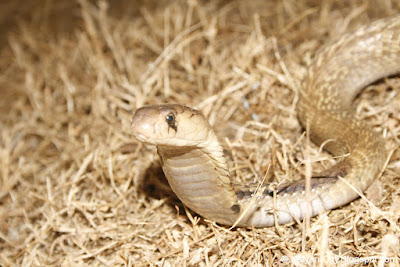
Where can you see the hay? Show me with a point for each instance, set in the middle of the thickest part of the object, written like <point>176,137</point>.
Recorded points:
<point>76,188</point>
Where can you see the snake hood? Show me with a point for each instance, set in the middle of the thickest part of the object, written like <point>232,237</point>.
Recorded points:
<point>172,125</point>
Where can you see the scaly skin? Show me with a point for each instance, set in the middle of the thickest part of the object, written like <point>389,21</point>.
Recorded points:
<point>196,168</point>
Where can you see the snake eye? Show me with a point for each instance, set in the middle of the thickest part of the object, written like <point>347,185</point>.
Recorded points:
<point>170,119</point>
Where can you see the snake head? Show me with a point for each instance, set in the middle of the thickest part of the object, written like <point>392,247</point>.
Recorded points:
<point>171,125</point>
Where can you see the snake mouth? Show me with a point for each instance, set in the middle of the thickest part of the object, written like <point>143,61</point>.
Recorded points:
<point>140,137</point>
<point>144,139</point>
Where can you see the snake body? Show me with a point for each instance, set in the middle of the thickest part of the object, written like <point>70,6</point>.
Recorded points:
<point>193,161</point>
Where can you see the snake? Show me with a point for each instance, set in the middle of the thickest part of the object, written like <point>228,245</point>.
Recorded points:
<point>193,160</point>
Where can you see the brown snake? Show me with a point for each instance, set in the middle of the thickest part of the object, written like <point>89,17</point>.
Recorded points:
<point>193,161</point>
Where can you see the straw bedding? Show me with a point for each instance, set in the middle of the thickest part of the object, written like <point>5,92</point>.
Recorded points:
<point>77,189</point>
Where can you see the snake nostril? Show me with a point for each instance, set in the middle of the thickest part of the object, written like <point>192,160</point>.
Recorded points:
<point>135,120</point>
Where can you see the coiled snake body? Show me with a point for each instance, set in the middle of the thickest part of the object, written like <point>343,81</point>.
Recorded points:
<point>196,169</point>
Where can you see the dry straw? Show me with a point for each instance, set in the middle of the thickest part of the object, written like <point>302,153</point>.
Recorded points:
<point>76,189</point>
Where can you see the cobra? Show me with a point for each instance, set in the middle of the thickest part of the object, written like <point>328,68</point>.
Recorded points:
<point>193,161</point>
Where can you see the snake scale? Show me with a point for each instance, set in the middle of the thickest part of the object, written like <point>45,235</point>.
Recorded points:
<point>193,161</point>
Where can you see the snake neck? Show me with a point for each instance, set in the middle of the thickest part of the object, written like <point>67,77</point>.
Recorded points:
<point>199,176</point>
